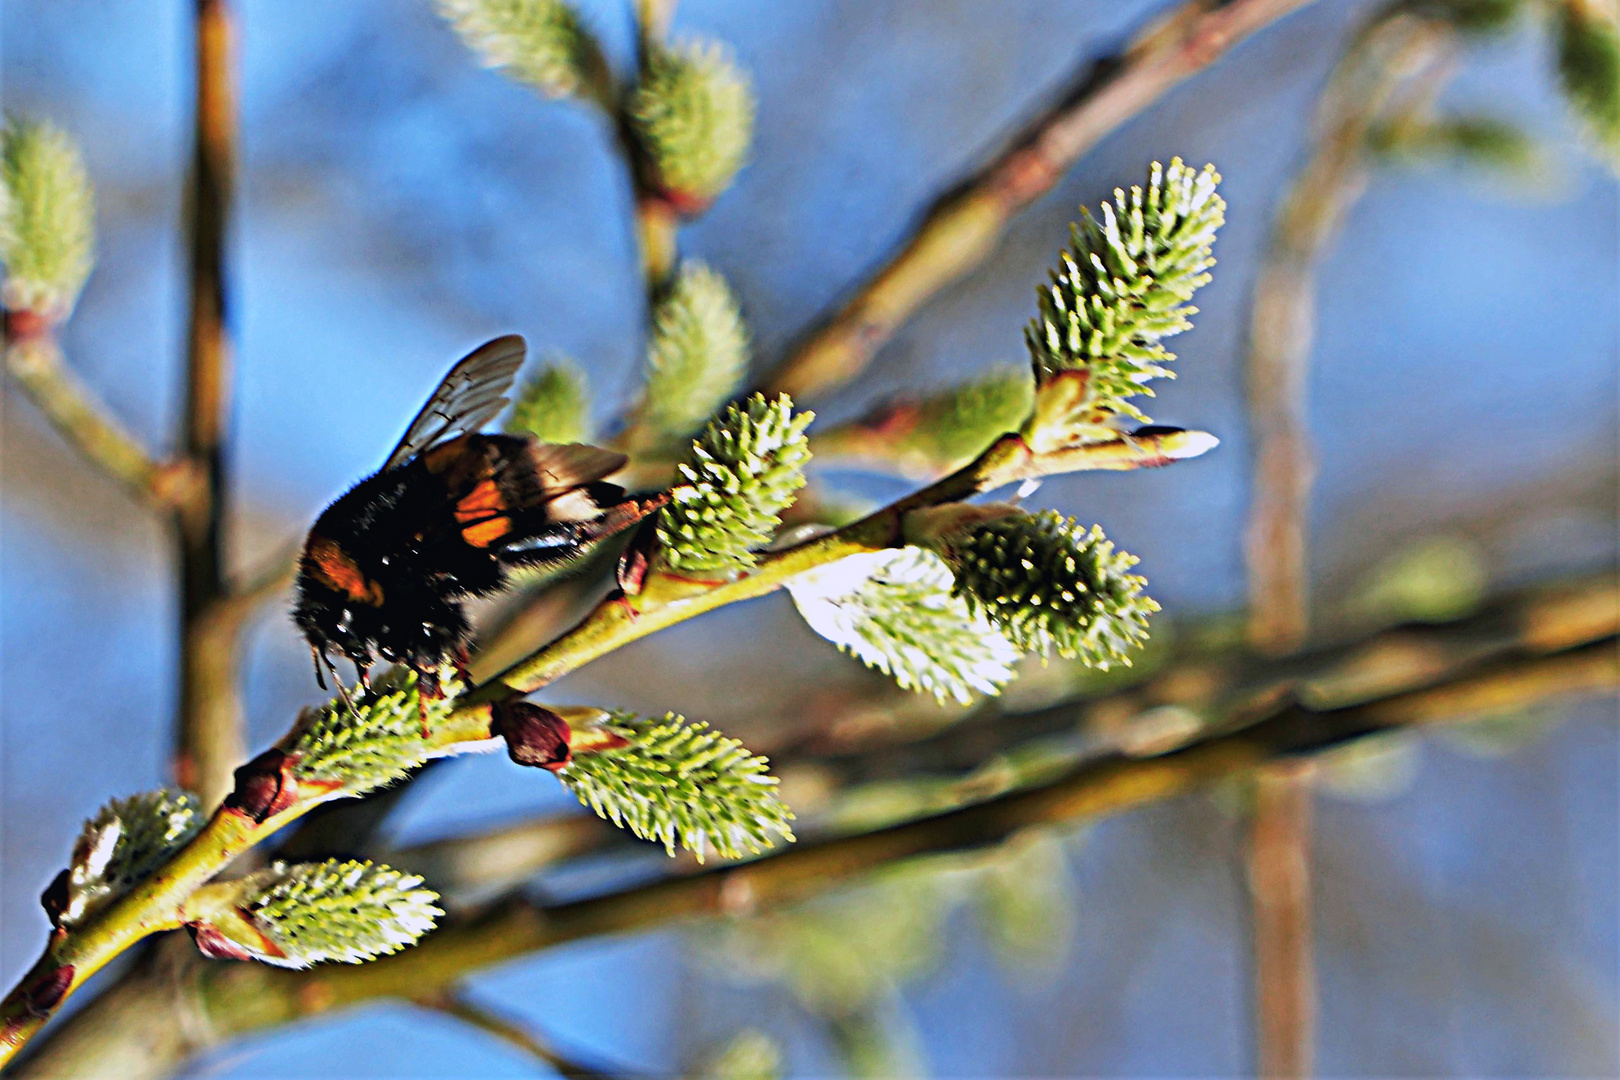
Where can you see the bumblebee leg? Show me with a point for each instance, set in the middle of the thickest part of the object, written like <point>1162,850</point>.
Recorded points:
<point>427,689</point>
<point>320,676</point>
<point>362,673</point>
<point>461,660</point>
<point>343,692</point>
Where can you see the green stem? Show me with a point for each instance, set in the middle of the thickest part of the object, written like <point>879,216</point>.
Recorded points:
<point>37,366</point>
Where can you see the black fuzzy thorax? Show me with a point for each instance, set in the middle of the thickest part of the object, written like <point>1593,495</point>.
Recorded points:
<point>400,530</point>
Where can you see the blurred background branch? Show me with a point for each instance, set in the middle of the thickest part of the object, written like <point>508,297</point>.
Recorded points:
<point>959,230</point>
<point>209,736</point>
<point>1392,72</point>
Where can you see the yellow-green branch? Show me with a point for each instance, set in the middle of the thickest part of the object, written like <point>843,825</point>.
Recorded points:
<point>1550,642</point>
<point>72,957</point>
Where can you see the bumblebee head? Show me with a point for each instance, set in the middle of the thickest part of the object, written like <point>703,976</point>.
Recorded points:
<point>328,621</point>
<point>337,603</point>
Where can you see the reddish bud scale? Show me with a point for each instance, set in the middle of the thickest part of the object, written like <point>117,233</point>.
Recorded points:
<point>683,203</point>
<point>49,990</point>
<point>264,787</point>
<point>534,735</point>
<point>216,946</point>
<point>897,421</point>
<point>25,325</point>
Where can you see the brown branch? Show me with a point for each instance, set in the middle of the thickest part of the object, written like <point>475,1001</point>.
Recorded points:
<point>1281,323</point>
<point>1379,61</point>
<point>209,741</point>
<point>1221,689</point>
<point>959,231</point>
<point>510,1032</point>
<point>499,857</point>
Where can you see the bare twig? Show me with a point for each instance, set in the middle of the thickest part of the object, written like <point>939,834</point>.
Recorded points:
<point>1382,57</point>
<point>35,362</point>
<point>961,228</point>
<point>512,1033</point>
<point>499,857</point>
<point>209,740</point>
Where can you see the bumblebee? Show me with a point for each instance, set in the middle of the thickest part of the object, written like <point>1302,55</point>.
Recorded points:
<point>388,566</point>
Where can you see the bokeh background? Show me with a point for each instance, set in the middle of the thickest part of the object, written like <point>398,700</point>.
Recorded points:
<point>399,204</point>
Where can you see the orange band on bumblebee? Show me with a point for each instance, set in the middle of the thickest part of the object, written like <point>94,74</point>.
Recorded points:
<point>332,566</point>
<point>485,533</point>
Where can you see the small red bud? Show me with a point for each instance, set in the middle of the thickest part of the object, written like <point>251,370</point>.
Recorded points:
<point>24,325</point>
<point>534,735</point>
<point>264,787</point>
<point>635,561</point>
<point>684,204</point>
<point>47,993</point>
<point>215,945</point>
<point>56,897</point>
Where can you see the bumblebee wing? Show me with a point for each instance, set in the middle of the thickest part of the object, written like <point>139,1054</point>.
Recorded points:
<point>469,397</point>
<point>561,467</point>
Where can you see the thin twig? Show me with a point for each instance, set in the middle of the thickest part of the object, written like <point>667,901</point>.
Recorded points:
<point>209,741</point>
<point>499,857</point>
<point>35,362</point>
<point>1381,58</point>
<point>959,231</point>
<point>510,1032</point>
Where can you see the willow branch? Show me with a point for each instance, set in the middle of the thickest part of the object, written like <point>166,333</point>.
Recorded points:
<point>1282,318</point>
<point>1220,688</point>
<point>72,957</point>
<point>666,598</point>
<point>35,363</point>
<point>1223,689</point>
<point>1382,58</point>
<point>248,997</point>
<point>499,857</point>
<point>1551,642</point>
<point>959,231</point>
<point>209,727</point>
<point>510,1032</point>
